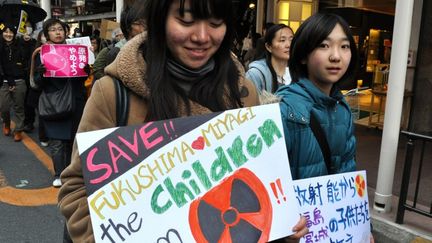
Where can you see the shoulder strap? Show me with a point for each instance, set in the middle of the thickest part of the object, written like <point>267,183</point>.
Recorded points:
<point>122,102</point>
<point>111,55</point>
<point>322,140</point>
<point>263,78</point>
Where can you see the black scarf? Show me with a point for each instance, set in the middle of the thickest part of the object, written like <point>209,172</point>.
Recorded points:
<point>187,77</point>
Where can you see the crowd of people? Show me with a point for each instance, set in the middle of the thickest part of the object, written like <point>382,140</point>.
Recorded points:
<point>176,60</point>
<point>23,81</point>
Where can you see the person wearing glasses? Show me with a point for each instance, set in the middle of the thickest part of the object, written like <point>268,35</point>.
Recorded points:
<point>60,132</point>
<point>131,24</point>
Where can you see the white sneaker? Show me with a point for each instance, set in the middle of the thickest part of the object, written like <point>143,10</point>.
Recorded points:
<point>57,182</point>
<point>44,144</point>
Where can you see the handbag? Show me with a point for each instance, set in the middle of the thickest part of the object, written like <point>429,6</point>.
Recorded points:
<point>58,104</point>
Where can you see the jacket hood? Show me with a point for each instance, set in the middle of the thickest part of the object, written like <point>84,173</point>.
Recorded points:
<point>130,67</point>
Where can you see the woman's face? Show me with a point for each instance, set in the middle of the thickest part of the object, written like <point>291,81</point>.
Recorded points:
<point>137,27</point>
<point>94,44</point>
<point>56,34</point>
<point>192,42</point>
<point>8,35</point>
<point>327,63</point>
<point>281,43</point>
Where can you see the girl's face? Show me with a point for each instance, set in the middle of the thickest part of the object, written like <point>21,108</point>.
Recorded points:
<point>56,34</point>
<point>281,44</point>
<point>328,62</point>
<point>192,42</point>
<point>8,35</point>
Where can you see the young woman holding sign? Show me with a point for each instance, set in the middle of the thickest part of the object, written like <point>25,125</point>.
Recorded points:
<point>183,66</point>
<point>60,131</point>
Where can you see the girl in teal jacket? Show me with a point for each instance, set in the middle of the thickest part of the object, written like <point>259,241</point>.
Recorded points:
<point>323,53</point>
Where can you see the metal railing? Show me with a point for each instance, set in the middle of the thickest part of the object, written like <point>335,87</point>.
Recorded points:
<point>423,141</point>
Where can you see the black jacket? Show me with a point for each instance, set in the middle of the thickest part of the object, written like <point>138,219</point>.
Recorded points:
<point>15,59</point>
<point>62,129</point>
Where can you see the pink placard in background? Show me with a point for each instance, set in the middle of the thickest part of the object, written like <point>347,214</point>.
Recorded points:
<point>63,60</point>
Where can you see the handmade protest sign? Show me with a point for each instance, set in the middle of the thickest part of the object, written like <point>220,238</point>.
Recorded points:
<point>85,40</point>
<point>63,60</point>
<point>336,207</point>
<point>221,177</point>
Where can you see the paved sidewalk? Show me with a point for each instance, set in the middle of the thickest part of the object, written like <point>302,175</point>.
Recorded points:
<point>28,202</point>
<point>416,228</point>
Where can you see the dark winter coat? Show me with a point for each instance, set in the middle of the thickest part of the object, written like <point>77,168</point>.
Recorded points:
<point>333,114</point>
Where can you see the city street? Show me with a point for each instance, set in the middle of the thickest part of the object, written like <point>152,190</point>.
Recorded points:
<point>28,202</point>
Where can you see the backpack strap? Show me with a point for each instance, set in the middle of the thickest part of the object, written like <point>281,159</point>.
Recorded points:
<point>122,102</point>
<point>111,55</point>
<point>322,140</point>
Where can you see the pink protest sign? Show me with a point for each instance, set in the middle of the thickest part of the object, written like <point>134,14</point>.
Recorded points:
<point>63,60</point>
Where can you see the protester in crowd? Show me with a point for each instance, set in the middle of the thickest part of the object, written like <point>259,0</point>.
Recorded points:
<point>95,43</point>
<point>271,72</point>
<point>77,33</point>
<point>96,32</point>
<point>250,54</point>
<point>34,91</point>
<point>246,44</point>
<point>318,123</point>
<point>323,53</point>
<point>61,132</point>
<point>67,31</point>
<point>131,24</point>
<point>117,35</point>
<point>14,56</point>
<point>182,67</point>
<point>29,111</point>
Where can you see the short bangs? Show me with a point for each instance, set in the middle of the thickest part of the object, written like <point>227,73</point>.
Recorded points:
<point>219,9</point>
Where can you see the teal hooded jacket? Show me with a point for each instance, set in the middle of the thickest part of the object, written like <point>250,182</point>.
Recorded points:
<point>333,113</point>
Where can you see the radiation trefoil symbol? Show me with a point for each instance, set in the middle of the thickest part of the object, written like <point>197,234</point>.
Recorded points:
<point>237,210</point>
<point>360,185</point>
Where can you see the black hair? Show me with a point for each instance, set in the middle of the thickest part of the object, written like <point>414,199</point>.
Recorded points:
<point>66,28</point>
<point>50,22</point>
<point>166,95</point>
<point>128,16</point>
<point>268,25</point>
<point>98,41</point>
<point>96,32</point>
<point>39,39</point>
<point>268,39</point>
<point>9,26</point>
<point>310,35</point>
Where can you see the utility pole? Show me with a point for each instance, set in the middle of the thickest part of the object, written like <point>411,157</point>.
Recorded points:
<point>395,94</point>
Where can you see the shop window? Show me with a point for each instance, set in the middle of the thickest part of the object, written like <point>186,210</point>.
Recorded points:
<point>293,13</point>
